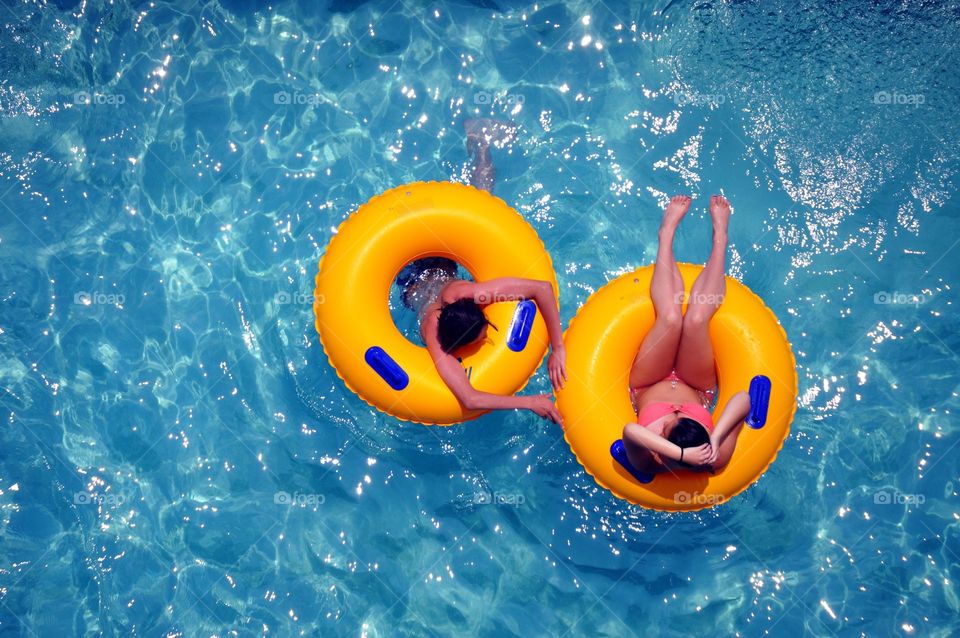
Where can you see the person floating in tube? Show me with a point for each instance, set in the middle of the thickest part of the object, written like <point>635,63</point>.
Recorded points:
<point>673,381</point>
<point>450,309</point>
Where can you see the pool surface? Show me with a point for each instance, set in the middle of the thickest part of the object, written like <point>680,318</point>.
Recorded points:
<point>177,458</point>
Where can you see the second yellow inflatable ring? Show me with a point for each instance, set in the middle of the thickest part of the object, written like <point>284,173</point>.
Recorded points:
<point>601,344</point>
<point>363,259</point>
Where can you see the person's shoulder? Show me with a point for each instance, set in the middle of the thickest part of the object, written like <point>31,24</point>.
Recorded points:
<point>456,290</point>
<point>430,318</point>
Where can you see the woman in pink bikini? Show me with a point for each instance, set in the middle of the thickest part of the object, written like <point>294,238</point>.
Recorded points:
<point>673,381</point>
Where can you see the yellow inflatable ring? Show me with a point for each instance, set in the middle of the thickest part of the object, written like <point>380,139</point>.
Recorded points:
<point>363,259</point>
<point>602,341</point>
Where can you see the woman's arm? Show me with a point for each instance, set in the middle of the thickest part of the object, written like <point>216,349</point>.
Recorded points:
<point>515,289</point>
<point>643,437</point>
<point>693,456</point>
<point>469,397</point>
<point>736,410</point>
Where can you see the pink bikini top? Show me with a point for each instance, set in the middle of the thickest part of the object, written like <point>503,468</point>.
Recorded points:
<point>695,411</point>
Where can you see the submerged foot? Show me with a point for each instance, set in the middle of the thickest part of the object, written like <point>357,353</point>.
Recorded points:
<point>676,209</point>
<point>483,131</point>
<point>720,214</point>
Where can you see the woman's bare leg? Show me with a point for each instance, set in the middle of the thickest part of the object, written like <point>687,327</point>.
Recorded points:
<point>481,132</point>
<point>659,347</point>
<point>695,362</point>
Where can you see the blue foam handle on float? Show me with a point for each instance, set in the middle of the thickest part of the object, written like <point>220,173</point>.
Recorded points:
<point>388,369</point>
<point>521,325</point>
<point>759,401</point>
<point>619,454</point>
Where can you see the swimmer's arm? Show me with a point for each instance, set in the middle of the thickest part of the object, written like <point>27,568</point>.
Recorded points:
<point>643,437</point>
<point>515,289</point>
<point>736,410</point>
<point>470,398</point>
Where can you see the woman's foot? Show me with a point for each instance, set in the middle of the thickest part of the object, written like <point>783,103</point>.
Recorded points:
<point>720,214</point>
<point>483,131</point>
<point>658,350</point>
<point>676,209</point>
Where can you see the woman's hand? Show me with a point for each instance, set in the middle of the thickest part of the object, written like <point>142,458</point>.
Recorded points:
<point>697,456</point>
<point>714,447</point>
<point>557,367</point>
<point>543,406</point>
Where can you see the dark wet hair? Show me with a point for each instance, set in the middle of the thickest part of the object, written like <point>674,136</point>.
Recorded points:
<point>688,433</point>
<point>460,323</point>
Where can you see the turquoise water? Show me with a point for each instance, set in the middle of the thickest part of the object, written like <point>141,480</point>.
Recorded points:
<point>177,458</point>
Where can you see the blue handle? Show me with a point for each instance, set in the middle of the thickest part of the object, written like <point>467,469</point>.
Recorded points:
<point>388,369</point>
<point>521,325</point>
<point>759,401</point>
<point>619,454</point>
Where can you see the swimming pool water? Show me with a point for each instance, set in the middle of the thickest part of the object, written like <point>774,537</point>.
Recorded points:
<point>177,457</point>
